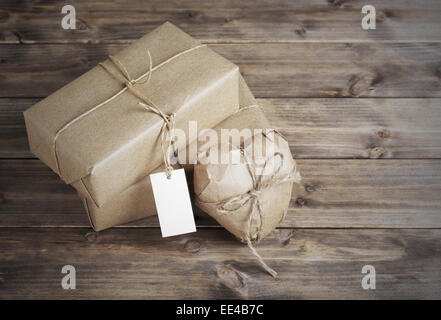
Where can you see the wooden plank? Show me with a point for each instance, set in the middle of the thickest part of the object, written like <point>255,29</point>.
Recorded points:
<point>315,128</point>
<point>334,193</point>
<point>367,193</point>
<point>221,21</point>
<point>272,70</point>
<point>211,264</point>
<point>358,128</point>
<point>13,138</point>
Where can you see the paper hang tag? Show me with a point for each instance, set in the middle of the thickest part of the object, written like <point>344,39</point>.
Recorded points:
<point>173,203</point>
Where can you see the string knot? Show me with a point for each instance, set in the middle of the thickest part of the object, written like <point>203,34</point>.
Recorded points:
<point>170,117</point>
<point>255,194</point>
<point>130,83</point>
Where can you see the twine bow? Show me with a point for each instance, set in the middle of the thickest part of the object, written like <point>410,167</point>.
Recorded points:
<point>129,85</point>
<point>230,205</point>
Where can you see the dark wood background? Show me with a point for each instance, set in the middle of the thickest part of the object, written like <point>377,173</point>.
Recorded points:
<point>362,113</point>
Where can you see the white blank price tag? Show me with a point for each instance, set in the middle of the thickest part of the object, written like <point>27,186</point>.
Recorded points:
<point>173,203</point>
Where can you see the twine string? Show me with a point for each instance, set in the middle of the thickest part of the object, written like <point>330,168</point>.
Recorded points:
<point>169,119</point>
<point>230,205</point>
<point>124,77</point>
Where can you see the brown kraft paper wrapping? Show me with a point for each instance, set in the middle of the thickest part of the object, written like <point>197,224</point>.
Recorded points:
<point>137,202</point>
<point>103,147</point>
<point>247,204</point>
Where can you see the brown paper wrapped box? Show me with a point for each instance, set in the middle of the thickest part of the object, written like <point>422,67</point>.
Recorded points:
<point>137,202</point>
<point>94,133</point>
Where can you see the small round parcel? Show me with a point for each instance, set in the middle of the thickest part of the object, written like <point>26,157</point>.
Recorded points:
<point>249,198</point>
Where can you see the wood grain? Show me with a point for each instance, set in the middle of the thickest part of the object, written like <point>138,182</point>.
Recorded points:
<point>315,128</point>
<point>388,70</point>
<point>211,264</point>
<point>358,128</point>
<point>223,21</point>
<point>334,193</point>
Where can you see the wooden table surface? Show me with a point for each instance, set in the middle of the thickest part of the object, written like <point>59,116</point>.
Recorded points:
<point>362,112</point>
